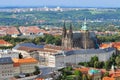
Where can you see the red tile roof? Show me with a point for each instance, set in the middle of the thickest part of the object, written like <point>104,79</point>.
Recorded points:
<point>5,43</point>
<point>105,45</point>
<point>29,49</point>
<point>83,70</point>
<point>39,79</point>
<point>108,78</point>
<point>31,29</point>
<point>24,60</point>
<point>12,30</point>
<point>48,46</point>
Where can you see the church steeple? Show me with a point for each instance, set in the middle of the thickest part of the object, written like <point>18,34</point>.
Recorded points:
<point>64,30</point>
<point>70,31</point>
<point>84,27</point>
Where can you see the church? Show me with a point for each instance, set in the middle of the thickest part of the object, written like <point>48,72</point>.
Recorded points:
<point>83,39</point>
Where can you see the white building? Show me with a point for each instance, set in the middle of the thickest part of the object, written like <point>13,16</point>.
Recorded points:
<point>9,53</point>
<point>6,68</point>
<point>76,56</point>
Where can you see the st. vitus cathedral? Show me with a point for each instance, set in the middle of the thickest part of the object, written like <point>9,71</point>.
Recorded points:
<point>83,39</point>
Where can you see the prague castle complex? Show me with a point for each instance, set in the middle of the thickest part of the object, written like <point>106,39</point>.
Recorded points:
<point>79,46</point>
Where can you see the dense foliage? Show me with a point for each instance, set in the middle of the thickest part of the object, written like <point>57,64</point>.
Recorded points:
<point>94,62</point>
<point>46,39</point>
<point>109,38</point>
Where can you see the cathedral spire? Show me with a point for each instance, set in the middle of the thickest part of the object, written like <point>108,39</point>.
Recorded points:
<point>70,28</point>
<point>64,30</point>
<point>70,31</point>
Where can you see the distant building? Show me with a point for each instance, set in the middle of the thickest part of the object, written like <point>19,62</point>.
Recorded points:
<point>5,43</point>
<point>30,30</point>
<point>9,53</point>
<point>6,68</point>
<point>8,30</point>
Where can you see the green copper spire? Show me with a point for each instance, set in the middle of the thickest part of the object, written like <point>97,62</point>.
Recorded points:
<point>84,27</point>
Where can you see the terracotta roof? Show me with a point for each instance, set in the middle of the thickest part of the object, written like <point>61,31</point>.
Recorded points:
<point>29,49</point>
<point>105,46</point>
<point>30,29</point>
<point>49,46</point>
<point>116,45</point>
<point>12,30</point>
<point>16,63</point>
<point>108,78</point>
<point>83,70</point>
<point>116,74</point>
<point>9,30</point>
<point>39,79</point>
<point>3,42</point>
<point>25,60</point>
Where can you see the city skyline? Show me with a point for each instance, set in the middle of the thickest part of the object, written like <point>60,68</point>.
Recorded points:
<point>75,3</point>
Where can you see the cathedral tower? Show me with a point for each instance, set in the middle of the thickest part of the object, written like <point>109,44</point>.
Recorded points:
<point>70,37</point>
<point>67,37</point>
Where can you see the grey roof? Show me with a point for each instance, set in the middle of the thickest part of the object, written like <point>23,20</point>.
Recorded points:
<point>77,35</point>
<point>88,51</point>
<point>6,60</point>
<point>32,45</point>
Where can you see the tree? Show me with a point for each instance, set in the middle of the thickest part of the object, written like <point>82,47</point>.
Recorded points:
<point>69,68</point>
<point>84,77</point>
<point>101,64</point>
<point>107,65</point>
<point>106,74</point>
<point>89,77</point>
<point>96,64</point>
<point>37,70</point>
<point>20,56</point>
<point>117,60</point>
<point>92,61</point>
<point>86,64</point>
<point>57,41</point>
<point>78,74</point>
<point>49,39</point>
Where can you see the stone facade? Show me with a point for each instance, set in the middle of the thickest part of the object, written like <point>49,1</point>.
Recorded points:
<point>76,56</point>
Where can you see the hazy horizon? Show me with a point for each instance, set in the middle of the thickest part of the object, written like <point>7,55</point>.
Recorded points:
<point>67,3</point>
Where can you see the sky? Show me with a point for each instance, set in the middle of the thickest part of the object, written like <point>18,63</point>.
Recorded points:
<point>74,3</point>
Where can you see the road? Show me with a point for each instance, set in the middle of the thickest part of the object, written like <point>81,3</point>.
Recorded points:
<point>46,71</point>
